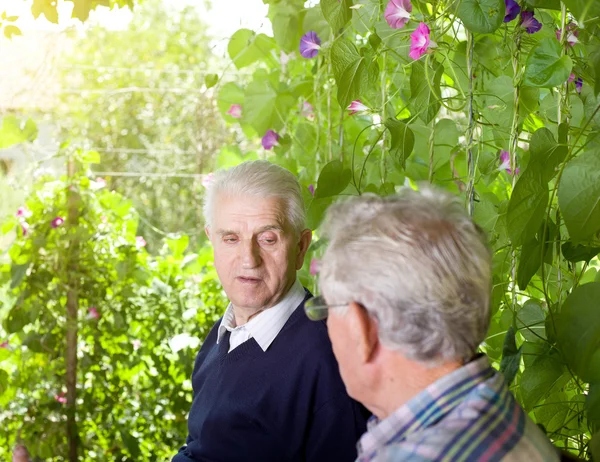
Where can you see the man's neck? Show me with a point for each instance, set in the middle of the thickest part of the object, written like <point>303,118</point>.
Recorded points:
<point>403,380</point>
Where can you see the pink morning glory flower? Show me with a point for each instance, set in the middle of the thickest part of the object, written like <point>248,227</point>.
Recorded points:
<point>23,212</point>
<point>571,77</point>
<point>140,241</point>
<point>61,397</point>
<point>235,111</point>
<point>512,10</point>
<point>531,24</point>
<point>58,221</point>
<point>24,228</point>
<point>420,41</point>
<point>207,179</point>
<point>93,313</point>
<point>311,188</point>
<point>101,182</point>
<point>270,139</point>
<point>310,44</point>
<point>4,344</point>
<point>315,264</point>
<point>572,34</point>
<point>397,13</point>
<point>307,110</point>
<point>357,106</point>
<point>136,344</point>
<point>505,163</point>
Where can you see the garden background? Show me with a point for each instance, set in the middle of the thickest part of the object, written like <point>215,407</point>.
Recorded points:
<point>122,109</point>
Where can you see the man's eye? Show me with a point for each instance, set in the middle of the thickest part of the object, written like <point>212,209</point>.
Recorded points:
<point>268,241</point>
<point>230,240</point>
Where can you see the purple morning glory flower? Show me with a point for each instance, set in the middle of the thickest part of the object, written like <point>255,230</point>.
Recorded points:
<point>505,163</point>
<point>531,24</point>
<point>512,10</point>
<point>311,188</point>
<point>578,84</point>
<point>310,44</point>
<point>397,13</point>
<point>270,139</point>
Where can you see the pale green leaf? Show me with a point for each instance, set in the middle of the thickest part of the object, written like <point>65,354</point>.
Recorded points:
<point>546,67</point>
<point>481,16</point>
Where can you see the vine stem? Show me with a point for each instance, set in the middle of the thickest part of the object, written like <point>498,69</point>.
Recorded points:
<point>470,128</point>
<point>329,127</point>
<point>383,117</point>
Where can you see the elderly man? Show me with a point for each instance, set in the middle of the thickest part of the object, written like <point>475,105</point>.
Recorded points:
<point>406,284</point>
<point>266,383</point>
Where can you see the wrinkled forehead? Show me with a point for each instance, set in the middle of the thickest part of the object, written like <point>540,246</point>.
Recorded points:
<point>249,213</point>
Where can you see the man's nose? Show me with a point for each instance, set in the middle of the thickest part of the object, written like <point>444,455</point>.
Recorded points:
<point>250,254</point>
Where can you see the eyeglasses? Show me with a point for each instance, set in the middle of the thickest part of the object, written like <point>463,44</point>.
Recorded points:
<point>317,308</point>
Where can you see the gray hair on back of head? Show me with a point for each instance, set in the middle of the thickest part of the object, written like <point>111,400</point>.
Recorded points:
<point>258,178</point>
<point>419,264</point>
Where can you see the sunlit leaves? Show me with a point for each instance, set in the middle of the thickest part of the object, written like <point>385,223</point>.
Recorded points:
<point>425,89</point>
<point>579,195</point>
<point>265,107</point>
<point>337,13</point>
<point>47,8</point>
<point>15,131</point>
<point>481,16</point>
<point>546,67</point>
<point>246,47</point>
<point>578,331</point>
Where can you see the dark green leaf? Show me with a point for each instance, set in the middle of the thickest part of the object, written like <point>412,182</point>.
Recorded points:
<point>3,381</point>
<point>529,262</point>
<point>595,62</point>
<point>16,320</point>
<point>210,80</point>
<point>337,13</point>
<point>511,357</point>
<point>17,273</point>
<point>577,252</point>
<point>527,207</point>
<point>545,66</point>
<point>131,443</point>
<point>578,331</point>
<point>579,196</point>
<point>531,321</point>
<point>592,404</point>
<point>333,179</point>
<point>545,153</point>
<point>481,16</point>
<point>403,141</point>
<point>316,211</point>
<point>286,19</point>
<point>553,412</point>
<point>539,380</point>
<point>549,4</point>
<point>425,94</point>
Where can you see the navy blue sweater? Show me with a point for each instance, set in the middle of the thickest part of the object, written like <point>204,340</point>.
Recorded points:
<point>286,404</point>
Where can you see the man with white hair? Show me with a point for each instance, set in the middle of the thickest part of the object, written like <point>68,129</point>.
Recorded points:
<point>266,384</point>
<point>406,283</point>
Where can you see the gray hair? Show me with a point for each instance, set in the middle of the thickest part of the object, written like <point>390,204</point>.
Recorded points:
<point>419,264</point>
<point>258,178</point>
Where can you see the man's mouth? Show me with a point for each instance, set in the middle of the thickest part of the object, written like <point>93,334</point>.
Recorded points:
<point>248,280</point>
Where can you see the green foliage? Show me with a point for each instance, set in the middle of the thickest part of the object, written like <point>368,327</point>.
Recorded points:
<point>481,16</point>
<point>546,67</point>
<point>135,357</point>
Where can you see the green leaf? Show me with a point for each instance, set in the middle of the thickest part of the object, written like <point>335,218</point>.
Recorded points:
<point>425,95</point>
<point>403,141</point>
<point>10,31</point>
<point>286,19</point>
<point>553,412</point>
<point>81,9</point>
<point>47,8</point>
<point>527,207</point>
<point>210,80</point>
<point>178,245</point>
<point>316,211</point>
<point>595,62</point>
<point>13,131</point>
<point>549,4</point>
<point>577,252</point>
<point>337,13</point>
<point>511,357</point>
<point>592,404</point>
<point>17,274</point>
<point>531,321</point>
<point>584,10</point>
<point>529,262</point>
<point>131,443</point>
<point>539,380</point>
<point>546,153</point>
<point>17,319</point>
<point>578,331</point>
<point>595,445</point>
<point>230,93</point>
<point>356,76</point>
<point>579,196</point>
<point>545,66</point>
<point>3,381</point>
<point>264,107</point>
<point>482,16</point>
<point>91,157</point>
<point>246,47</point>
<point>333,179</point>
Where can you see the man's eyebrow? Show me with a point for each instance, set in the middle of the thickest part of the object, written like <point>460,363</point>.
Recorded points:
<point>225,232</point>
<point>269,228</point>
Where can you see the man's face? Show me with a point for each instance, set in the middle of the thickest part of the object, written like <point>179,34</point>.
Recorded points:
<point>256,251</point>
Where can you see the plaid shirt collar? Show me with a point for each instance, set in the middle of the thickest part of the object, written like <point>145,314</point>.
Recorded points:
<point>425,409</point>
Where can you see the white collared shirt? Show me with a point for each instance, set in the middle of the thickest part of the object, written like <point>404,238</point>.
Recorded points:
<point>265,326</point>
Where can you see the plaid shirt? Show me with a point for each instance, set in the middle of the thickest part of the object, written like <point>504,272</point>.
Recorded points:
<point>468,415</point>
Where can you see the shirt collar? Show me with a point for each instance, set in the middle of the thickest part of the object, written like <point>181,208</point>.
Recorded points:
<point>265,326</point>
<point>428,407</point>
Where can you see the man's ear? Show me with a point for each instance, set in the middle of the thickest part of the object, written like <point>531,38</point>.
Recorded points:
<point>303,244</point>
<point>364,331</point>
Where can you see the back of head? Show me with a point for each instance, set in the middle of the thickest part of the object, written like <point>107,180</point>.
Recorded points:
<point>418,263</point>
<point>258,178</point>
